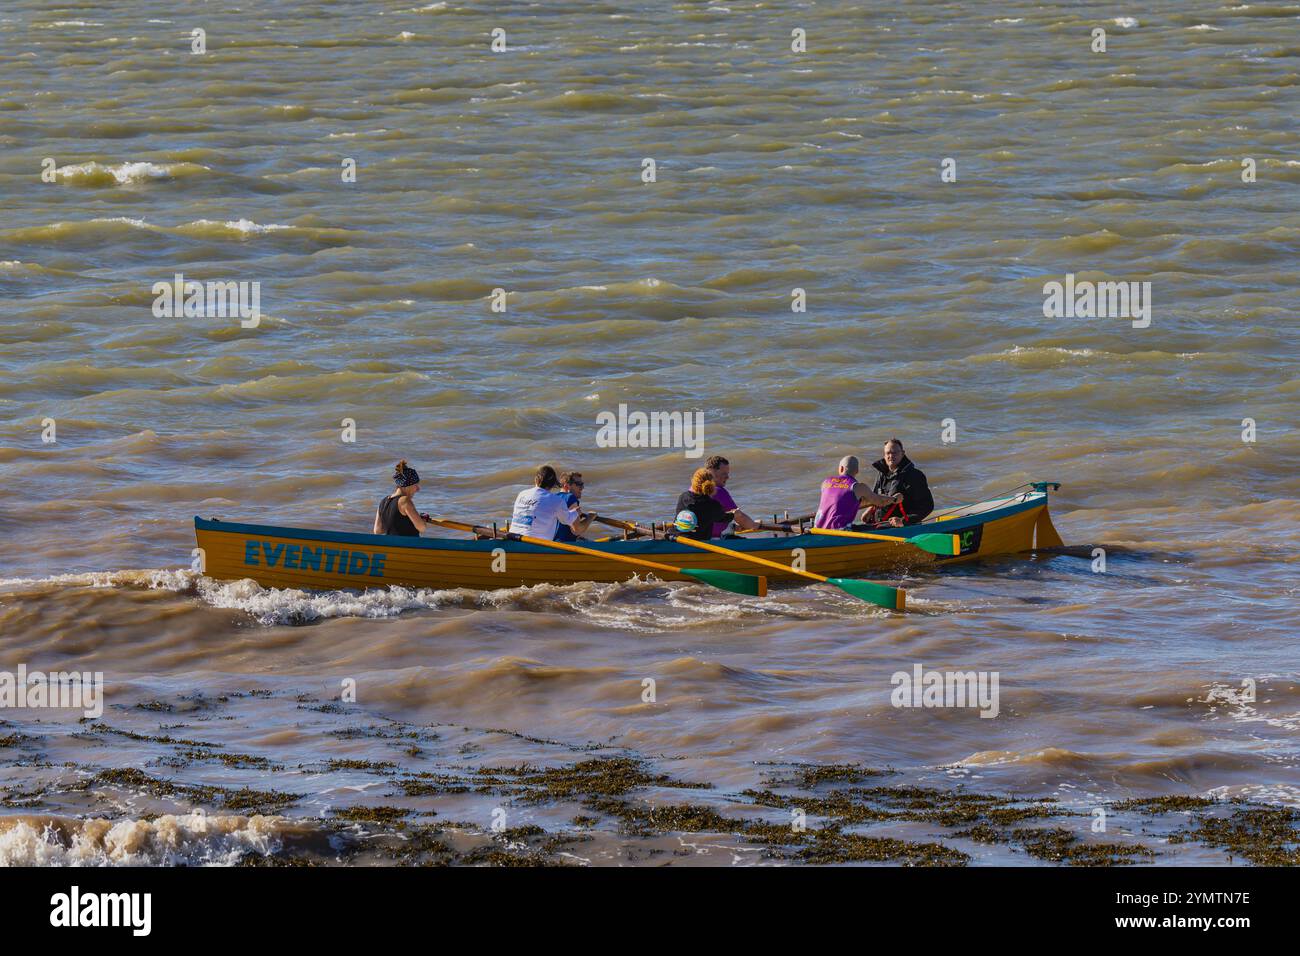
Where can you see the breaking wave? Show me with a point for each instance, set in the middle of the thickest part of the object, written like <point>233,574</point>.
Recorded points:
<point>125,174</point>
<point>194,839</point>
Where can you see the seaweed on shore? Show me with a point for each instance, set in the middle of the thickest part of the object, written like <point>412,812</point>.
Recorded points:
<point>99,727</point>
<point>803,814</point>
<point>1167,804</point>
<point>807,776</point>
<point>432,784</point>
<point>1059,845</point>
<point>603,776</point>
<point>243,800</point>
<point>831,845</point>
<point>370,814</point>
<point>1266,836</point>
<point>946,808</point>
<point>250,761</point>
<point>374,766</point>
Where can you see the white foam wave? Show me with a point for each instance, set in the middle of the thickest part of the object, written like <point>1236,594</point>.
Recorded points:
<point>245,226</point>
<point>125,173</point>
<point>271,606</point>
<point>173,579</point>
<point>169,840</point>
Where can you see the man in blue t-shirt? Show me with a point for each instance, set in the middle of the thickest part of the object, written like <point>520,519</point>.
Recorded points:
<point>571,485</point>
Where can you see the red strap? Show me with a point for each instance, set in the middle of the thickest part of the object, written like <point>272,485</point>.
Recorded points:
<point>888,511</point>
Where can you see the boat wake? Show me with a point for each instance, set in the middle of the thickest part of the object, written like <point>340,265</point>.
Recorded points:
<point>640,604</point>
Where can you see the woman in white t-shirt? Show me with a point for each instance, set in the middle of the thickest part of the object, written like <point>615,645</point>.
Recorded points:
<point>540,510</point>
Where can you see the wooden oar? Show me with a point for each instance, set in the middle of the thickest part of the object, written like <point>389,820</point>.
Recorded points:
<point>749,584</point>
<point>882,594</point>
<point>945,544</point>
<point>942,544</point>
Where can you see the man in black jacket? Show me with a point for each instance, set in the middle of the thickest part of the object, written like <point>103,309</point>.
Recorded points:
<point>899,476</point>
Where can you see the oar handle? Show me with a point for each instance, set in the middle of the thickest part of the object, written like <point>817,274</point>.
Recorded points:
<point>468,528</point>
<point>782,526</point>
<point>625,525</point>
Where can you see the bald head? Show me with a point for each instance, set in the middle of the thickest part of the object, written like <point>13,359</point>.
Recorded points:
<point>849,465</point>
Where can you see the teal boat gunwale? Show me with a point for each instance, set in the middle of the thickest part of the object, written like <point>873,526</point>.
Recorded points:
<point>619,545</point>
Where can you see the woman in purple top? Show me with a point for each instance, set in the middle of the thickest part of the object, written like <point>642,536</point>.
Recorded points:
<point>721,469</point>
<point>843,496</point>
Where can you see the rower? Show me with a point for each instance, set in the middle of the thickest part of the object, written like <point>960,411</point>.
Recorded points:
<point>571,485</point>
<point>898,476</point>
<point>397,513</point>
<point>843,496</point>
<point>540,510</point>
<point>721,469</point>
<point>699,501</point>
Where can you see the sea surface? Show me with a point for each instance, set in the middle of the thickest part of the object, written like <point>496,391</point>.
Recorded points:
<point>250,725</point>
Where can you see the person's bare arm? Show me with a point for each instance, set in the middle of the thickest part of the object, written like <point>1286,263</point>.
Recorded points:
<point>744,520</point>
<point>379,529</point>
<point>407,507</point>
<point>583,523</point>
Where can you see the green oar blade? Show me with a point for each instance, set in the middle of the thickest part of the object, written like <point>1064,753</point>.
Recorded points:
<point>946,544</point>
<point>893,598</point>
<point>753,585</point>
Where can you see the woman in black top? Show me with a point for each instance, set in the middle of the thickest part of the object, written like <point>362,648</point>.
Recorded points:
<point>397,514</point>
<point>700,501</point>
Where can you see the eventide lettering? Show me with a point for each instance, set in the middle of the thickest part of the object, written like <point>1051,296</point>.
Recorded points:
<point>295,557</point>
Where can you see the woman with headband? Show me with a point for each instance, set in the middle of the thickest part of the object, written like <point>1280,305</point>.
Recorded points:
<point>397,514</point>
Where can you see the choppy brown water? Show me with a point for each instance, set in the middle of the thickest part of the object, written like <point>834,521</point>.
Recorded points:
<point>521,170</point>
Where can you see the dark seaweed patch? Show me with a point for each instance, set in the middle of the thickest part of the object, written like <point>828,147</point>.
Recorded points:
<point>1059,845</point>
<point>1266,836</point>
<point>101,728</point>
<point>375,766</point>
<point>604,776</point>
<point>1168,804</point>
<point>430,784</point>
<point>370,814</point>
<point>811,776</point>
<point>230,760</point>
<point>830,845</point>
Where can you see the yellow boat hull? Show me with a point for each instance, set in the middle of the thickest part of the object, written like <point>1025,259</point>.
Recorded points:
<point>279,557</point>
